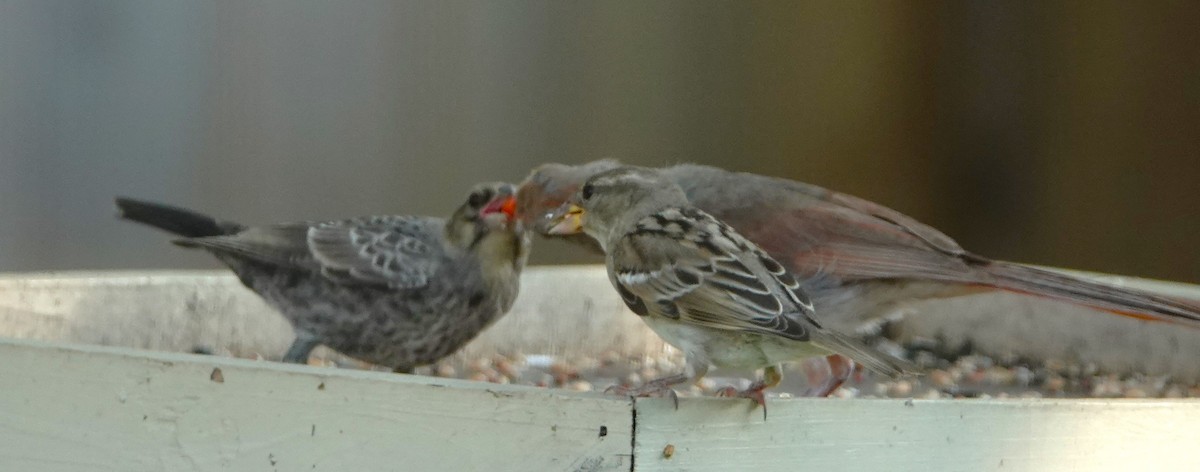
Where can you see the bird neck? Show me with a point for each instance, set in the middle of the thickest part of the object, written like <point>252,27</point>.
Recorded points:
<point>629,223</point>
<point>461,234</point>
<point>502,255</point>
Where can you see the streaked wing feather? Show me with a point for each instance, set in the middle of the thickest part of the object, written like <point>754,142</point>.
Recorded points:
<point>400,252</point>
<point>698,269</point>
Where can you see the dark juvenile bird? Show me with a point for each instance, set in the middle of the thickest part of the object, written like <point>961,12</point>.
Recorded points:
<point>398,291</point>
<point>855,258</point>
<point>699,284</point>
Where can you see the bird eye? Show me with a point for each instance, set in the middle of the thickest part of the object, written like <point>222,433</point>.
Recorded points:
<point>477,199</point>
<point>587,191</point>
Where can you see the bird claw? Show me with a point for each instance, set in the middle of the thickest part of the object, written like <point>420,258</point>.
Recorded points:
<point>653,388</point>
<point>756,392</point>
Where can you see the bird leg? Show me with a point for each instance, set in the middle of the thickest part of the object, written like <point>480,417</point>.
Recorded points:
<point>653,388</point>
<point>301,348</point>
<point>771,377</point>
<point>840,369</point>
<point>816,371</point>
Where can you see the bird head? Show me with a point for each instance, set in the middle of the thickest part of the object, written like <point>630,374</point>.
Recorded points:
<point>612,200</point>
<point>550,185</point>
<point>490,208</point>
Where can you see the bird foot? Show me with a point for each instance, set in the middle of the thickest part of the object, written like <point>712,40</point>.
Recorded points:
<point>756,392</point>
<point>825,383</point>
<point>654,388</point>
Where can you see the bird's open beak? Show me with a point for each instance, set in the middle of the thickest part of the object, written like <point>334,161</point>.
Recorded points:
<point>505,202</point>
<point>506,205</point>
<point>566,220</point>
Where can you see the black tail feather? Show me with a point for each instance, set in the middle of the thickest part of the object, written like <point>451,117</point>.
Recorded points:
<point>174,220</point>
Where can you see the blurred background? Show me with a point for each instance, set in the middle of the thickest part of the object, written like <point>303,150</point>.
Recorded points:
<point>1065,134</point>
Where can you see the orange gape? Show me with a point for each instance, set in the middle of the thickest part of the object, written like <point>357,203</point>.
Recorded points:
<point>509,206</point>
<point>506,205</point>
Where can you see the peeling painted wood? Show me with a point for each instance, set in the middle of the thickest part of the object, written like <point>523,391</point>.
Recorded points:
<point>72,408</point>
<point>713,434</point>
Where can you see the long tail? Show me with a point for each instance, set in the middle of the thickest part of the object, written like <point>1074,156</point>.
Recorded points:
<point>174,220</point>
<point>1119,300</point>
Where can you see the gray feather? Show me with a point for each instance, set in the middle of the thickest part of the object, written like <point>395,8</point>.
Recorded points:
<point>389,290</point>
<point>399,252</point>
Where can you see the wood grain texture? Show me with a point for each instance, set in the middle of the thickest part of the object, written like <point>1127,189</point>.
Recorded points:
<point>713,434</point>
<point>66,408</point>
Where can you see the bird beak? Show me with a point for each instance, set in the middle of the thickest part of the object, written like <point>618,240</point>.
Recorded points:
<point>566,220</point>
<point>506,205</point>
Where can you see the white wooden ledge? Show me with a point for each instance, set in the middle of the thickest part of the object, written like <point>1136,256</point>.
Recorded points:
<point>915,435</point>
<point>77,408</point>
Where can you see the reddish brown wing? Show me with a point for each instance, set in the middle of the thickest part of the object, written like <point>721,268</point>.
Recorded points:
<point>833,242</point>
<point>818,232</point>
